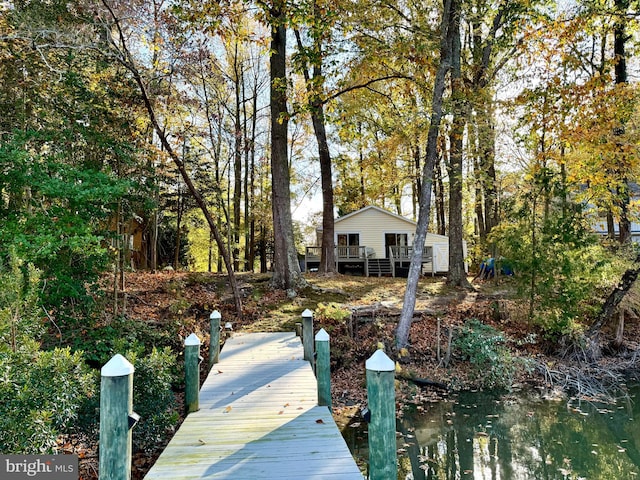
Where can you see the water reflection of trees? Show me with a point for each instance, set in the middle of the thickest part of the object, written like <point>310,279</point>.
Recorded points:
<point>479,437</point>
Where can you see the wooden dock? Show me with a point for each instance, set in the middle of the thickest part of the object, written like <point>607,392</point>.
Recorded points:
<point>258,419</point>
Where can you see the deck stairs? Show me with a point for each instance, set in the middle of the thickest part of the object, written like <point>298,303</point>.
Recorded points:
<point>380,267</point>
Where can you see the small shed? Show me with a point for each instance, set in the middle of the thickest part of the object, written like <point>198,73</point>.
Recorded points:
<point>372,235</point>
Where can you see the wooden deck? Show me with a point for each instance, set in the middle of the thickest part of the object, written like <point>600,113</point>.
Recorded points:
<point>258,419</point>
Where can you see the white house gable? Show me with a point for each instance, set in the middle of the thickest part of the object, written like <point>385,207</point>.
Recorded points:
<point>372,224</point>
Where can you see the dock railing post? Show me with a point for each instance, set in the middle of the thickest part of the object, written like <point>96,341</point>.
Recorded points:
<point>116,419</point>
<point>307,335</point>
<point>214,338</point>
<point>382,426</point>
<point>323,368</point>
<point>192,373</point>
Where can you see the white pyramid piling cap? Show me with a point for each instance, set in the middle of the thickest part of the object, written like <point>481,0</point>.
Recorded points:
<point>380,362</point>
<point>307,313</point>
<point>118,366</point>
<point>192,340</point>
<point>215,314</point>
<point>322,336</point>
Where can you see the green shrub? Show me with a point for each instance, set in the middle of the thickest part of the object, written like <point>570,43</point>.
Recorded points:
<point>122,334</point>
<point>41,394</point>
<point>492,365</point>
<point>153,397</point>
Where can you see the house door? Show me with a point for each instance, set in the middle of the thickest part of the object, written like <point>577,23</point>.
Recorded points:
<point>395,240</point>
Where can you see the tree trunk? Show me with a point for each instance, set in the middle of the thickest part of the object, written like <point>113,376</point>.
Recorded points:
<point>624,200</point>
<point>153,248</point>
<point>613,300</point>
<point>475,145</point>
<point>404,324</point>
<point>457,274</point>
<point>210,251</point>
<point>363,192</point>
<point>620,39</point>
<point>286,273</point>
<point>487,137</point>
<point>237,160</point>
<point>611,226</point>
<point>617,342</point>
<point>176,252</point>
<point>417,185</point>
<point>245,181</point>
<point>118,248</point>
<point>252,228</point>
<point>438,184</point>
<point>480,226</point>
<point>327,251</point>
<point>262,249</point>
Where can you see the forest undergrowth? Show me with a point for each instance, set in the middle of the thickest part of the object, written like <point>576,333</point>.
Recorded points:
<point>460,340</point>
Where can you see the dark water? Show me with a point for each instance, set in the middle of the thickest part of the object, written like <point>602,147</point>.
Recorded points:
<point>515,437</point>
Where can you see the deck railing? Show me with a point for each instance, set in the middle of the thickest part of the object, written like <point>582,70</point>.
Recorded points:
<point>359,252</point>
<point>403,253</point>
<point>313,253</point>
<point>350,252</point>
<point>343,252</point>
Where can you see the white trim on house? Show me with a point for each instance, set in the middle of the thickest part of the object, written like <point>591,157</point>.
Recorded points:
<point>373,207</point>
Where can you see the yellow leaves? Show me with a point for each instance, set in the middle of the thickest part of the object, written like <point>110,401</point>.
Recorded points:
<point>398,368</point>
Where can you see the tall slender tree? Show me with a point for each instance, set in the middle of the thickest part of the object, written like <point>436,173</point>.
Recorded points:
<point>620,40</point>
<point>447,34</point>
<point>287,274</point>
<point>315,85</point>
<point>457,273</point>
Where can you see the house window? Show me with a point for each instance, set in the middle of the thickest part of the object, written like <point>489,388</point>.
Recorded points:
<point>348,245</point>
<point>351,239</point>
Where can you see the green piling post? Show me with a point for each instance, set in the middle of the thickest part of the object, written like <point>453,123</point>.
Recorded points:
<point>214,342</point>
<point>192,373</point>
<point>307,335</point>
<point>323,368</point>
<point>116,408</point>
<point>382,426</point>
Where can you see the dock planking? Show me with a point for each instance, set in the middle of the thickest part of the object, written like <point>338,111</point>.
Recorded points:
<point>258,419</point>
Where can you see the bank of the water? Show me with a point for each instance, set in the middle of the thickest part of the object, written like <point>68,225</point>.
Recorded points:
<point>515,437</point>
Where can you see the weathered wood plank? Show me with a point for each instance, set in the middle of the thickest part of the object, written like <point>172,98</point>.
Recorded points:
<point>258,419</point>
